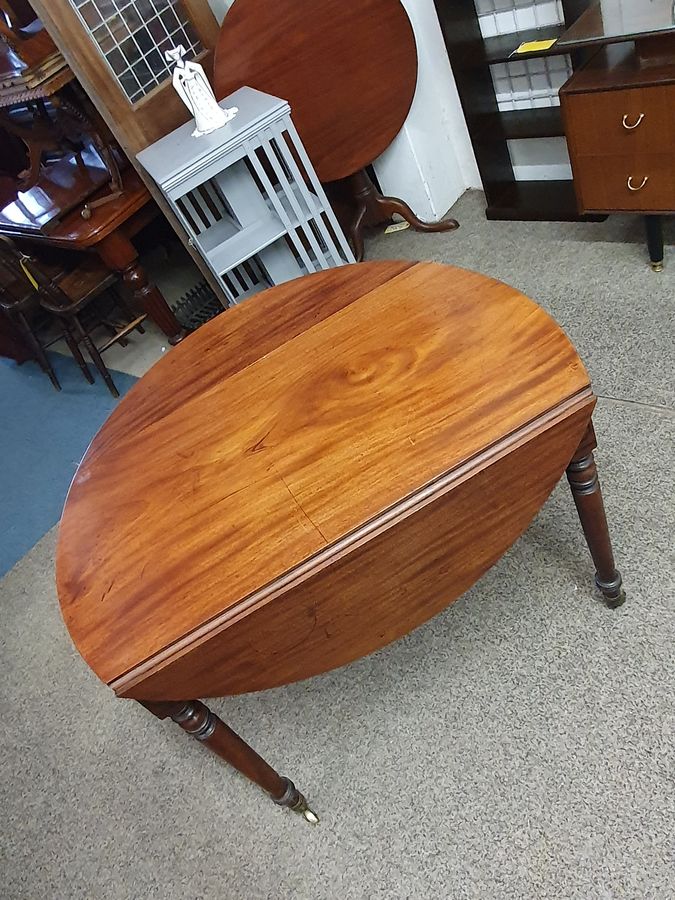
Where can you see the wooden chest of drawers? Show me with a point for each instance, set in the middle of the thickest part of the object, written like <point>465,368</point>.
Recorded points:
<point>620,128</point>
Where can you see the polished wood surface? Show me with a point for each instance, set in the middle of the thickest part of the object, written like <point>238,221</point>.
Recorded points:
<point>63,187</point>
<point>390,583</point>
<point>582,475</point>
<point>348,72</point>
<point>31,46</point>
<point>344,411</point>
<point>196,719</point>
<point>72,230</point>
<point>618,67</point>
<point>596,121</point>
<point>612,20</point>
<point>638,182</point>
<point>109,232</point>
<point>621,132</point>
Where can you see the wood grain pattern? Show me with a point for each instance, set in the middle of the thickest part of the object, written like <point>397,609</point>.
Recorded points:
<point>348,72</point>
<point>384,588</point>
<point>231,344</point>
<point>596,101</point>
<point>602,182</point>
<point>186,505</point>
<point>595,121</point>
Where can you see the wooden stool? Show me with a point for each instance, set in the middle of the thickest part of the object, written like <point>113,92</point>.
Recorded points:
<point>312,475</point>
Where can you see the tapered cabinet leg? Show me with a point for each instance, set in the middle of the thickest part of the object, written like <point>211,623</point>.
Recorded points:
<point>582,475</point>
<point>197,719</point>
<point>654,229</point>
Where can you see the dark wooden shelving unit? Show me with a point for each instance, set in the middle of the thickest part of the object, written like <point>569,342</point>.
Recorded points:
<point>544,121</point>
<point>500,48</point>
<point>471,57</point>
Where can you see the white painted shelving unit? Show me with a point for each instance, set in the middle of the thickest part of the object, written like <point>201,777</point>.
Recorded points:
<point>248,197</point>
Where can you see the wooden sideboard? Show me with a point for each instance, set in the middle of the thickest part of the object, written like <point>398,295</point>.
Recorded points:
<point>618,114</point>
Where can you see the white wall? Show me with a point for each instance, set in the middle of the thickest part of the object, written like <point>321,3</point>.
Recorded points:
<point>430,163</point>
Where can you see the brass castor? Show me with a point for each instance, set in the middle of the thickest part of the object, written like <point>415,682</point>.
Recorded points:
<point>303,809</point>
<point>294,800</point>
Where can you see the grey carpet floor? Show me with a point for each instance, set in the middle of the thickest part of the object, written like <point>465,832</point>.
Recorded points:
<point>520,745</point>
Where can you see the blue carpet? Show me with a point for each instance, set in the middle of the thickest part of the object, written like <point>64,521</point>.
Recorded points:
<point>43,436</point>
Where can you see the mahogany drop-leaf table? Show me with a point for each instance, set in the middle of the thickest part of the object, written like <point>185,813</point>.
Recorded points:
<point>312,475</point>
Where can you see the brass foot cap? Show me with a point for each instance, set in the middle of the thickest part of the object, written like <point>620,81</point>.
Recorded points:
<point>303,809</point>
<point>657,266</point>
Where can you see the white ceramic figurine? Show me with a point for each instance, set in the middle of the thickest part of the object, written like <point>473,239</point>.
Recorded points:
<point>194,89</point>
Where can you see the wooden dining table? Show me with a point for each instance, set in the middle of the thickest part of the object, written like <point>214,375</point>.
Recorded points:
<point>109,233</point>
<point>309,477</point>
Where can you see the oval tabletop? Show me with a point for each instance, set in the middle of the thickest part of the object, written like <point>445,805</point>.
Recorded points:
<point>349,72</point>
<point>285,425</point>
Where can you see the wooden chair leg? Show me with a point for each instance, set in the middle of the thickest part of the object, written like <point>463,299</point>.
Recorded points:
<point>74,348</point>
<point>38,349</point>
<point>128,307</point>
<point>582,475</point>
<point>95,355</point>
<point>196,719</point>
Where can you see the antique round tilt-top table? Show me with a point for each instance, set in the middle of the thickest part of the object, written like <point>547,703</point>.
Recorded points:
<point>312,475</point>
<point>349,73</point>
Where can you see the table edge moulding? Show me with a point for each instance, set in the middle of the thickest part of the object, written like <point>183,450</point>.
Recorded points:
<point>318,472</point>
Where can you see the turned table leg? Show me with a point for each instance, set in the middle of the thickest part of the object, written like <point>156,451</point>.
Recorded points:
<point>196,719</point>
<point>582,475</point>
<point>117,252</point>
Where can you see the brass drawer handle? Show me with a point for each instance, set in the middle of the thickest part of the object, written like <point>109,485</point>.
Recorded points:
<point>632,187</point>
<point>625,124</point>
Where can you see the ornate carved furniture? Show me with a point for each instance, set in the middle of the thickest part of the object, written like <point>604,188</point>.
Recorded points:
<point>69,297</point>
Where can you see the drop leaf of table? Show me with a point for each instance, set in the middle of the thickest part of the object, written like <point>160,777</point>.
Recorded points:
<point>312,475</point>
